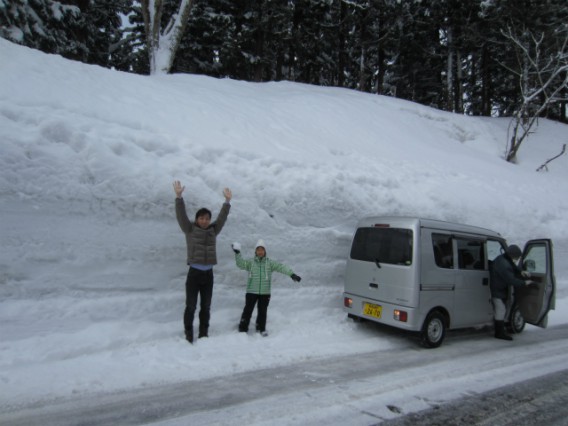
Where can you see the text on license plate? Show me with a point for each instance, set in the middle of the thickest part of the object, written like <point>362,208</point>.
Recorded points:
<point>372,310</point>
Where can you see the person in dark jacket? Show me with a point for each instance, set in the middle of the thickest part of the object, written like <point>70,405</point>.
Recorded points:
<point>505,273</point>
<point>200,237</point>
<point>259,284</point>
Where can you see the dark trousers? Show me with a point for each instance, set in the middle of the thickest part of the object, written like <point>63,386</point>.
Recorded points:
<point>250,302</point>
<point>198,283</point>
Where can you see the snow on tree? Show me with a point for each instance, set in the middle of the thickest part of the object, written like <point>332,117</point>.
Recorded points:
<point>41,24</point>
<point>162,42</point>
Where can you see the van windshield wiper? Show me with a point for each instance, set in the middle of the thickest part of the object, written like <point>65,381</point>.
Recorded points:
<point>377,263</point>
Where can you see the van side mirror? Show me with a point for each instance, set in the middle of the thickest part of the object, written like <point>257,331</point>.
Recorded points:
<point>529,265</point>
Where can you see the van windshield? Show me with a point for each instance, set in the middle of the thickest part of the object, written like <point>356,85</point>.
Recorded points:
<point>383,245</point>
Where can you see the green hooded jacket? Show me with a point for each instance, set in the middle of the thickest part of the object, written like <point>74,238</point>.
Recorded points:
<point>260,272</point>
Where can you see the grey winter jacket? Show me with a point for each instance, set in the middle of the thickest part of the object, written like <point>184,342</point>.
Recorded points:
<point>201,243</point>
<point>504,273</point>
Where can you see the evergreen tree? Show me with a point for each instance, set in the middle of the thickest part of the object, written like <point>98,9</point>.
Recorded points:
<point>369,43</point>
<point>50,26</point>
<point>455,19</point>
<point>88,31</point>
<point>314,41</point>
<point>417,60</point>
<point>239,39</point>
<point>204,45</point>
<point>102,31</point>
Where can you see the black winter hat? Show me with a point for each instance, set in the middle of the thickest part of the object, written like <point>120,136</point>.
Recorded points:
<point>514,251</point>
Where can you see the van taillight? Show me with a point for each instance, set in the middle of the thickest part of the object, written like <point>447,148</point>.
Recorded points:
<point>382,225</point>
<point>400,315</point>
<point>347,302</point>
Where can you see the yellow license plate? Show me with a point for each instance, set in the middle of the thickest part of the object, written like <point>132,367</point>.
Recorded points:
<point>372,310</point>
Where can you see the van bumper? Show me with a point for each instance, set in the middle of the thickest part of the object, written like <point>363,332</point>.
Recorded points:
<point>388,311</point>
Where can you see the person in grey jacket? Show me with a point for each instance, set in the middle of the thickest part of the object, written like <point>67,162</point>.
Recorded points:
<point>505,273</point>
<point>200,238</point>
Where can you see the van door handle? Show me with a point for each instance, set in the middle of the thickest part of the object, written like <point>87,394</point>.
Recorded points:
<point>373,285</point>
<point>485,281</point>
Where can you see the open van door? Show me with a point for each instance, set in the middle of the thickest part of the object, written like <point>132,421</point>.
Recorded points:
<point>536,300</point>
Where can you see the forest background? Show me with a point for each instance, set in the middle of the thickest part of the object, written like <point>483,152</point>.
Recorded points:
<point>477,57</point>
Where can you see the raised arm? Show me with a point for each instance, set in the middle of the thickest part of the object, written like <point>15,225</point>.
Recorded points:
<point>228,195</point>
<point>242,263</point>
<point>178,188</point>
<point>181,215</point>
<point>222,217</point>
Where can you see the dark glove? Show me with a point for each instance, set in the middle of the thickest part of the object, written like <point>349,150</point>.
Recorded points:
<point>236,248</point>
<point>236,251</point>
<point>296,278</point>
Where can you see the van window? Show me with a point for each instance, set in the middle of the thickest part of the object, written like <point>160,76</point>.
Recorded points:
<point>535,259</point>
<point>494,249</point>
<point>442,244</point>
<point>383,245</point>
<point>470,253</point>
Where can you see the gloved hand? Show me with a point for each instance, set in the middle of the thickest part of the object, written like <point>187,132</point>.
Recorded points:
<point>296,278</point>
<point>526,274</point>
<point>236,248</point>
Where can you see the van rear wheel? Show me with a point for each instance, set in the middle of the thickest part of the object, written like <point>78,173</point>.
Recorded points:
<point>433,330</point>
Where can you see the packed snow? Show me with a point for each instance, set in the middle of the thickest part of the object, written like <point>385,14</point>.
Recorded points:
<point>92,260</point>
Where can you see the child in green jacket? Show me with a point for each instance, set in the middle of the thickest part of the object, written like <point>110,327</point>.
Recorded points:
<point>259,283</point>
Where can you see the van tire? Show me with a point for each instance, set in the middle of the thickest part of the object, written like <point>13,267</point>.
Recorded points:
<point>516,323</point>
<point>433,330</point>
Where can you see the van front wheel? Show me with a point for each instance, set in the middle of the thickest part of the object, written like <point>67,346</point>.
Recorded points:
<point>516,321</point>
<point>433,330</point>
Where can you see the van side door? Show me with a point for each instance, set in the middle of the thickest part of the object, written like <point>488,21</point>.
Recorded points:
<point>536,300</point>
<point>472,295</point>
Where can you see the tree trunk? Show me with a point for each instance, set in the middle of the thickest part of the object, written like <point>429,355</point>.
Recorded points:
<point>485,82</point>
<point>342,36</point>
<point>450,71</point>
<point>258,66</point>
<point>163,45</point>
<point>458,86</point>
<point>152,13</point>
<point>363,56</point>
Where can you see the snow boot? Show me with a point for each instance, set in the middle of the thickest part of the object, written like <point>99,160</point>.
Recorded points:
<point>203,331</point>
<point>189,335</point>
<point>500,332</point>
<point>243,325</point>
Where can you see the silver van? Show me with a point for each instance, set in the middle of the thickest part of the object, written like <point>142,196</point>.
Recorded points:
<point>431,276</point>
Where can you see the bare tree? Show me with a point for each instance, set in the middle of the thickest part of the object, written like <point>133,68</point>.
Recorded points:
<point>543,79</point>
<point>163,43</point>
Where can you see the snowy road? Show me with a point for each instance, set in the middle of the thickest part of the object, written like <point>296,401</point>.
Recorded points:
<point>539,401</point>
<point>358,390</point>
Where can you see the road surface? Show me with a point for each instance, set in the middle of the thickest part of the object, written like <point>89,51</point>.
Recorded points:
<point>471,379</point>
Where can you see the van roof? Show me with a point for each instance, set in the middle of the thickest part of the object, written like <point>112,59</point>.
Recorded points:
<point>415,222</point>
